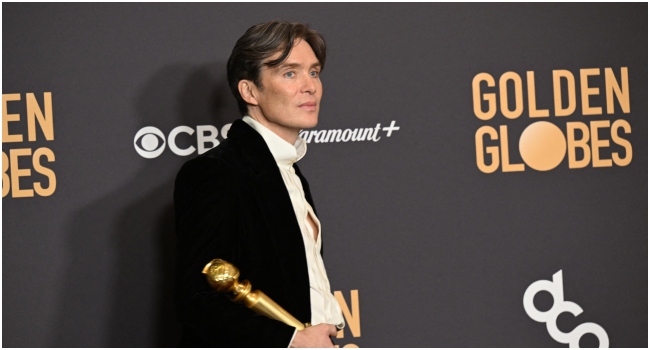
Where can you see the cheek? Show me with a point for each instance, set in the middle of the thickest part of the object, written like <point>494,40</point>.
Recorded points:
<point>281,96</point>
<point>272,99</point>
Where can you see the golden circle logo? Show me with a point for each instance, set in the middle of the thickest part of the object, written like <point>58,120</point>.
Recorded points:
<point>542,146</point>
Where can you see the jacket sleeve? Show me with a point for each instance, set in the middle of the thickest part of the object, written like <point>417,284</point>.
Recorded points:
<point>208,208</point>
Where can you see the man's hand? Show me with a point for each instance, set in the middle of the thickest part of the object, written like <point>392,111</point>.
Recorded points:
<point>317,336</point>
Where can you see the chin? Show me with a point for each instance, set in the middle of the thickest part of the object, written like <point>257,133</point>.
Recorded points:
<point>310,122</point>
<point>311,125</point>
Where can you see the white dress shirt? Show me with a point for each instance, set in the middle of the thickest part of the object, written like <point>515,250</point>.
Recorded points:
<point>324,307</point>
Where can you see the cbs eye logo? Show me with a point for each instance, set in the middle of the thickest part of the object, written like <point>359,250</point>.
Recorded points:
<point>149,142</point>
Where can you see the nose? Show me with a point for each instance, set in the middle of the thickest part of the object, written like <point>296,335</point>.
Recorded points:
<point>309,84</point>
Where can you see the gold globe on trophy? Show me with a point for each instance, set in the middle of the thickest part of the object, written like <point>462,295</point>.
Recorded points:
<point>224,277</point>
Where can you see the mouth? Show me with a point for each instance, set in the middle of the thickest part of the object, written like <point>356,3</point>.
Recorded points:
<point>309,106</point>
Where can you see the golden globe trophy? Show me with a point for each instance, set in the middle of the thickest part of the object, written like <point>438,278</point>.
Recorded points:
<point>224,277</point>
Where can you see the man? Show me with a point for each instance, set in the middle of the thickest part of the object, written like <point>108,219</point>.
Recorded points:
<point>246,201</point>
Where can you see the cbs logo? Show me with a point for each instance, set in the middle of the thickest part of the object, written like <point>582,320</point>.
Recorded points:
<point>559,306</point>
<point>150,142</point>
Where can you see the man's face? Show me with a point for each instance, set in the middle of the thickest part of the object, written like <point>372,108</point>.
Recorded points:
<point>289,98</point>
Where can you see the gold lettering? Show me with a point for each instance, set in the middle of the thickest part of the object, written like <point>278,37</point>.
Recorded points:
<point>34,112</point>
<point>489,97</point>
<point>352,318</point>
<point>17,173</point>
<point>44,192</point>
<point>597,143</point>
<point>573,144</point>
<point>6,118</point>
<point>532,99</point>
<point>587,91</point>
<point>493,151</point>
<point>5,178</point>
<point>622,91</point>
<point>621,123</point>
<point>557,93</point>
<point>505,152</point>
<point>519,95</point>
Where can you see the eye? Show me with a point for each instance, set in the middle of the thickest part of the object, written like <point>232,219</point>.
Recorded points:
<point>149,142</point>
<point>314,73</point>
<point>290,74</point>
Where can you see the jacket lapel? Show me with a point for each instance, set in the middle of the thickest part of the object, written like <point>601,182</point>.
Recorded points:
<point>271,192</point>
<point>265,175</point>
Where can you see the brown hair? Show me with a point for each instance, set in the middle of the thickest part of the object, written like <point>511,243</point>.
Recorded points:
<point>262,41</point>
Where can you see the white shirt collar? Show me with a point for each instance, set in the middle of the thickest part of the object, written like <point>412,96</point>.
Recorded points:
<point>283,152</point>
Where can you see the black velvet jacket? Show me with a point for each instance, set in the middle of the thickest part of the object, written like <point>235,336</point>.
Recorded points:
<point>231,203</point>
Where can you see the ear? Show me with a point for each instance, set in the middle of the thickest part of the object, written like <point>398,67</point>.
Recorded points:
<point>248,90</point>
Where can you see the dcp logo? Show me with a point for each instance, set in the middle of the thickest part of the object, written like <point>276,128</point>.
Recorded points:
<point>559,306</point>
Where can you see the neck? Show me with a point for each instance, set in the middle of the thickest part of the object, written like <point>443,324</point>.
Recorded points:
<point>287,134</point>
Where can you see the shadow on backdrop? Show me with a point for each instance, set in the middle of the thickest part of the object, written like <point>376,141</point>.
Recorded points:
<point>118,289</point>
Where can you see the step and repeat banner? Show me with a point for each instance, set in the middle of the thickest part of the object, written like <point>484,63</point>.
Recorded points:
<point>480,170</point>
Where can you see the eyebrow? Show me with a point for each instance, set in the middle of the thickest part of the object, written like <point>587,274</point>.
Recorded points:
<point>296,65</point>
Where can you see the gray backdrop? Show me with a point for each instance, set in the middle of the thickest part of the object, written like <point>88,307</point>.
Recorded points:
<point>440,252</point>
